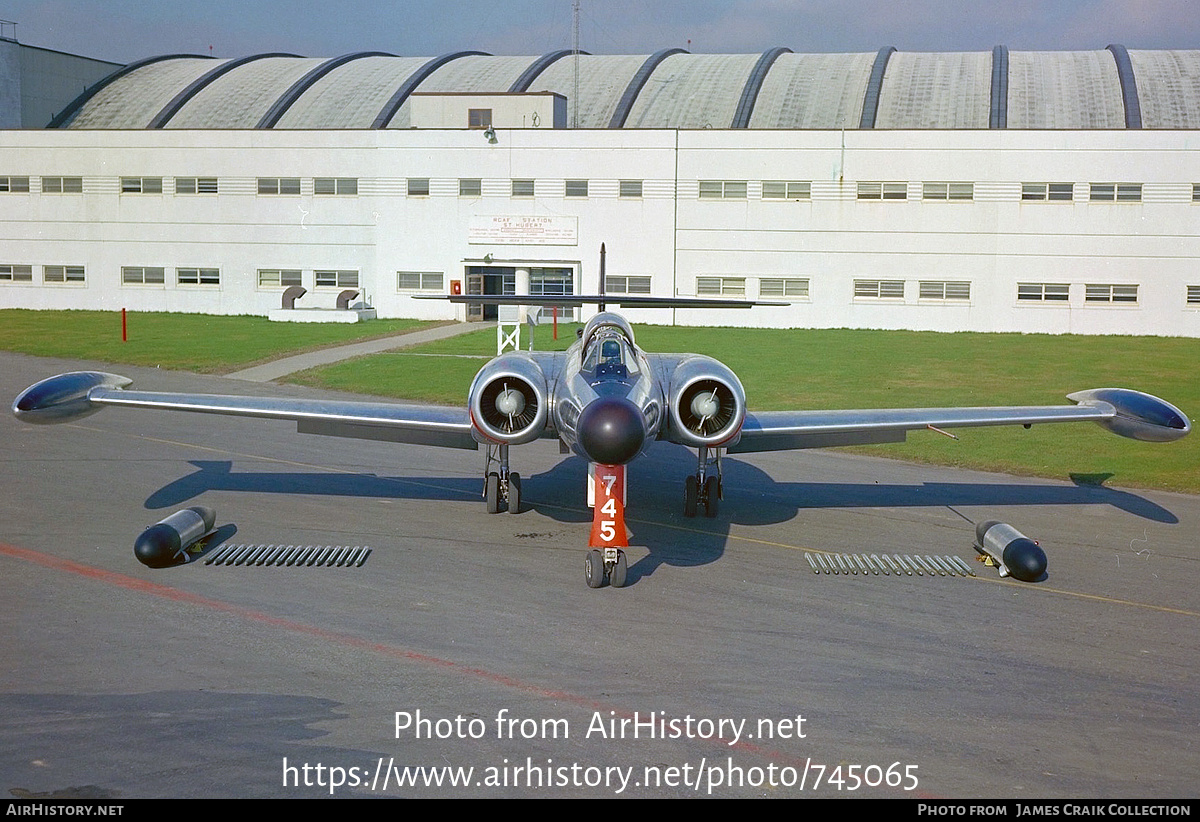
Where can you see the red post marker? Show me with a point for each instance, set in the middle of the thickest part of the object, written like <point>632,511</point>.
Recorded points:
<point>608,515</point>
<point>124,336</point>
<point>554,313</point>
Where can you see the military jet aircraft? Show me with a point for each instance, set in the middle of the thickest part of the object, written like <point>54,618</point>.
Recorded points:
<point>606,400</point>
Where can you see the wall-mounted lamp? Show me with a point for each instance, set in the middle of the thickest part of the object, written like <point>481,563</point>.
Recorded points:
<point>490,135</point>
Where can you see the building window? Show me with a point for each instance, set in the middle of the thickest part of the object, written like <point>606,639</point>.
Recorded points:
<point>69,274</point>
<point>951,192</point>
<point>418,187</point>
<point>551,282</point>
<point>783,287</point>
<point>786,190</point>
<point>142,275</point>
<point>879,289</point>
<point>198,276</point>
<point>1196,192</point>
<point>883,191</point>
<point>337,185</point>
<point>721,286</point>
<point>62,185</point>
<point>278,185</point>
<point>141,185</point>
<point>522,188</point>
<point>1105,293</point>
<point>470,187</point>
<point>577,188</point>
<point>944,290</point>
<point>1193,295</point>
<point>631,188</point>
<point>479,118</point>
<point>418,281</point>
<point>14,185</point>
<point>1048,192</point>
<point>722,189</point>
<point>278,277</point>
<point>336,279</point>
<point>1043,292</point>
<point>195,185</point>
<point>16,273</point>
<point>622,284</point>
<point>1115,192</point>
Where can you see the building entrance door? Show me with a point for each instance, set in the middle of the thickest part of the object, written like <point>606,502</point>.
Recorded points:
<point>488,280</point>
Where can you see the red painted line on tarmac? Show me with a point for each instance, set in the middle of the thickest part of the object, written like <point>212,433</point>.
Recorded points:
<point>166,592</point>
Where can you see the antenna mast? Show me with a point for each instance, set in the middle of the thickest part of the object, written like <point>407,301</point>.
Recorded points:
<point>575,53</point>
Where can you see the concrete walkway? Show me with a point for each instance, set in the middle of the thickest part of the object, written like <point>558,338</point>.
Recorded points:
<point>289,365</point>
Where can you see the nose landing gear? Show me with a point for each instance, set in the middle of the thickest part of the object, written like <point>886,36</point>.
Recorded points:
<point>606,560</point>
<point>607,563</point>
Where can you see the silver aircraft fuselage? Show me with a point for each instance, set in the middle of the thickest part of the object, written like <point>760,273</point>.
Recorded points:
<point>607,403</point>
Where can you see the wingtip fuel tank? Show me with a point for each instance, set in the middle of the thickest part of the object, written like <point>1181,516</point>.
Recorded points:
<point>1135,414</point>
<point>163,544</point>
<point>63,397</point>
<point>1015,554</point>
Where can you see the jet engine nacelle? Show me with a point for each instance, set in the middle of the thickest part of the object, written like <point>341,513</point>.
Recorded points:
<point>706,402</point>
<point>508,400</point>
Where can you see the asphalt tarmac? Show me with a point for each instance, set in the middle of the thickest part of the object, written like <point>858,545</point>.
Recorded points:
<point>467,647</point>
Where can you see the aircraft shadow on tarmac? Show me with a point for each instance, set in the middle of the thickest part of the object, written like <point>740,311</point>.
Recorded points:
<point>655,514</point>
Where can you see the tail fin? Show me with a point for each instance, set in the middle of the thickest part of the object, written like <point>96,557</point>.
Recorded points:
<point>602,278</point>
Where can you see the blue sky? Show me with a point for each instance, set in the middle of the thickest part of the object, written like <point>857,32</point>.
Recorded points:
<point>125,30</point>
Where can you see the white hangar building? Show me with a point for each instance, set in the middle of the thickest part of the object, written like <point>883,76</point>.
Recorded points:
<point>994,191</point>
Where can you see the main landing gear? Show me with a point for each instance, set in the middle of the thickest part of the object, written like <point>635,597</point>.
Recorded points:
<point>501,487</point>
<point>702,488</point>
<point>605,563</point>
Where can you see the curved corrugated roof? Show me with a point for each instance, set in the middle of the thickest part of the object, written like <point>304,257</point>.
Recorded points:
<point>813,91</point>
<point>471,73</point>
<point>692,91</point>
<point>1107,88</point>
<point>133,100</point>
<point>945,90</point>
<point>239,98</point>
<point>602,81</point>
<point>1168,84</point>
<point>1064,89</point>
<point>352,95</point>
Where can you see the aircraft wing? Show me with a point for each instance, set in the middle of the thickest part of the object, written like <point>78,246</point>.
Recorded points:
<point>1120,410</point>
<point>79,393</point>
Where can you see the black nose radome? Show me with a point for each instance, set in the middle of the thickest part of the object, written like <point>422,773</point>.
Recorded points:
<point>611,430</point>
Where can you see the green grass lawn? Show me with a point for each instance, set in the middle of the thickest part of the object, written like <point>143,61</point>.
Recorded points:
<point>791,369</point>
<point>190,342</point>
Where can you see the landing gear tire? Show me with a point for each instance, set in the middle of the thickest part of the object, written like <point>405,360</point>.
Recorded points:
<point>492,493</point>
<point>593,568</point>
<point>616,577</point>
<point>711,497</point>
<point>691,495</point>
<point>514,493</point>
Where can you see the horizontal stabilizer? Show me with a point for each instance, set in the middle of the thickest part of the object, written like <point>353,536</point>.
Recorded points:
<point>577,300</point>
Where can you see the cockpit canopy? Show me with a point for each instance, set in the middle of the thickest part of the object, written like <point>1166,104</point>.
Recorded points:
<point>606,320</point>
<point>608,350</point>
